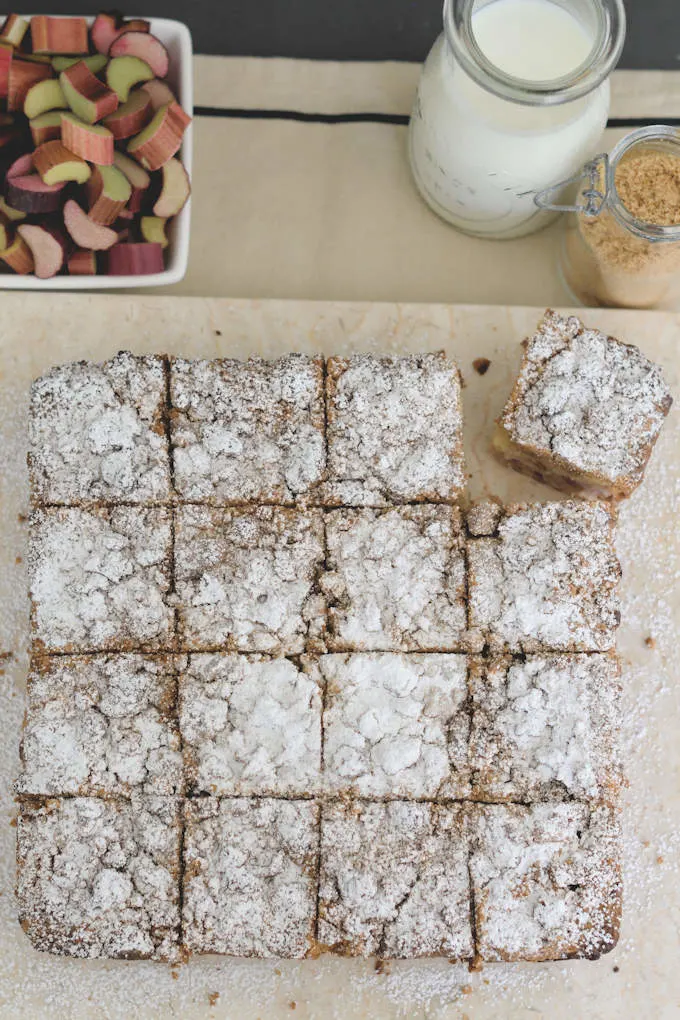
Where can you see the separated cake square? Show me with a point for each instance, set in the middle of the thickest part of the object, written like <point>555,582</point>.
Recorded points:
<point>395,725</point>
<point>248,431</point>
<point>97,432</point>
<point>545,727</point>
<point>546,880</point>
<point>250,725</point>
<point>251,876</point>
<point>546,578</point>
<point>100,579</point>
<point>585,411</point>
<point>101,725</point>
<point>394,880</point>
<point>395,579</point>
<point>395,430</point>
<point>247,580</point>
<point>100,878</point>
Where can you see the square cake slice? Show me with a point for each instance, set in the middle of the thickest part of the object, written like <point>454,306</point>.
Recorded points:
<point>248,431</point>
<point>394,880</point>
<point>100,579</point>
<point>546,579</point>
<point>546,880</point>
<point>247,580</point>
<point>545,727</point>
<point>250,879</point>
<point>585,411</point>
<point>395,725</point>
<point>395,579</point>
<point>100,878</point>
<point>395,430</point>
<point>250,726</point>
<point>98,433</point>
<point>101,725</point>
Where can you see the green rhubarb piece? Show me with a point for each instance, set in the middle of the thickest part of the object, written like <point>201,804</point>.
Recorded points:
<point>125,72</point>
<point>115,184</point>
<point>135,173</point>
<point>153,230</point>
<point>92,129</point>
<point>43,96</point>
<point>95,63</point>
<point>13,215</point>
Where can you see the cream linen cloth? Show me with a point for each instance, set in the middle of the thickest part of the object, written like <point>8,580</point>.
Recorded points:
<point>328,211</point>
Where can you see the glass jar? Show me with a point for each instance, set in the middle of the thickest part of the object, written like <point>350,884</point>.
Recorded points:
<point>483,139</point>
<point>609,257</point>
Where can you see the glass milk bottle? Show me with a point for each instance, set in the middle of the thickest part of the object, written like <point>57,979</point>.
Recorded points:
<point>513,97</point>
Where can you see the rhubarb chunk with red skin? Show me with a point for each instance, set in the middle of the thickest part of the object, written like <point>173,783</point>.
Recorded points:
<point>92,142</point>
<point>108,26</point>
<point>135,260</point>
<point>161,139</point>
<point>108,192</point>
<point>160,92</point>
<point>56,164</point>
<point>123,73</point>
<point>22,75</point>
<point>6,54</point>
<point>31,195</point>
<point>59,35</point>
<point>14,30</point>
<point>82,263</point>
<point>145,46</point>
<point>130,118</point>
<point>43,96</point>
<point>89,98</point>
<point>46,127</point>
<point>18,257</point>
<point>175,190</point>
<point>20,167</point>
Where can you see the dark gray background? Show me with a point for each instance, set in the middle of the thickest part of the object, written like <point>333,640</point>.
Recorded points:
<point>359,29</point>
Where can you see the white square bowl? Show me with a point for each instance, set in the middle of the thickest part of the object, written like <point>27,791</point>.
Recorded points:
<point>176,37</point>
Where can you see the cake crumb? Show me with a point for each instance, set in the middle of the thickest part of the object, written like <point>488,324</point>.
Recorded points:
<point>616,969</point>
<point>383,967</point>
<point>214,996</point>
<point>174,974</point>
<point>650,642</point>
<point>659,859</point>
<point>481,365</point>
<point>292,1004</point>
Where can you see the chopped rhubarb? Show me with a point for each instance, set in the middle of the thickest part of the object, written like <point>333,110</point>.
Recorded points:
<point>160,92</point>
<point>46,248</point>
<point>92,142</point>
<point>6,53</point>
<point>96,63</point>
<point>82,263</point>
<point>175,189</point>
<point>84,231</point>
<point>108,192</point>
<point>14,30</point>
<point>43,96</point>
<point>145,46</point>
<point>31,195</point>
<point>153,229</point>
<point>18,257</point>
<point>46,127</point>
<point>131,117</point>
<point>161,138</point>
<point>10,214</point>
<point>20,167</point>
<point>22,75</point>
<point>59,35</point>
<point>125,72</point>
<point>56,164</point>
<point>142,259</point>
<point>89,98</point>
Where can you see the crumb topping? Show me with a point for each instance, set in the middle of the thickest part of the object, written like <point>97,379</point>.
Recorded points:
<point>96,432</point>
<point>395,579</point>
<point>250,884</point>
<point>588,399</point>
<point>396,725</point>
<point>548,581</point>
<point>248,431</point>
<point>394,880</point>
<point>101,725</point>
<point>100,878</point>
<point>100,578</point>
<point>247,579</point>
<point>250,725</point>
<point>395,430</point>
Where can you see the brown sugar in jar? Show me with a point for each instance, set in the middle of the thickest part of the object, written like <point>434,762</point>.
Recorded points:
<point>628,254</point>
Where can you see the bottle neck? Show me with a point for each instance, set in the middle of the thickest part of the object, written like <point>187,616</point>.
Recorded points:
<point>602,21</point>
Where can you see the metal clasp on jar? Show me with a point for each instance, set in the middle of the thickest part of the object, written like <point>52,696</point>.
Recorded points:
<point>593,197</point>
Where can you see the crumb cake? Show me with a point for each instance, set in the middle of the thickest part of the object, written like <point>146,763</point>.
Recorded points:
<point>97,432</point>
<point>248,432</point>
<point>250,876</point>
<point>100,579</point>
<point>546,880</point>
<point>250,725</point>
<point>394,880</point>
<point>395,725</point>
<point>100,878</point>
<point>545,727</point>
<point>101,725</point>
<point>585,411</point>
<point>395,579</point>
<point>545,579</point>
<point>247,579</point>
<point>395,430</point>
